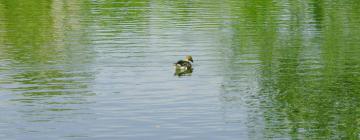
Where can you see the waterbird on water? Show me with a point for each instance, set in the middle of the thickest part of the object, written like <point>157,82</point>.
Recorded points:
<point>184,67</point>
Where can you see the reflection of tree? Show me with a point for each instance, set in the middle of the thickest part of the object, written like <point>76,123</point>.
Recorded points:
<point>305,81</point>
<point>251,30</point>
<point>42,65</point>
<point>27,31</point>
<point>1,29</point>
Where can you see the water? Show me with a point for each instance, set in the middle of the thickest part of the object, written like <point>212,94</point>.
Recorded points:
<point>103,69</point>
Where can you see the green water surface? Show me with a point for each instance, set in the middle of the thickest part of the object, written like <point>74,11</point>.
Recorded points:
<point>103,69</point>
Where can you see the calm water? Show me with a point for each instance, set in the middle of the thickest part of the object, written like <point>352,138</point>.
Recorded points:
<point>84,69</point>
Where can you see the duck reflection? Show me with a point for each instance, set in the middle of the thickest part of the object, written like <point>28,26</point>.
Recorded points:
<point>182,72</point>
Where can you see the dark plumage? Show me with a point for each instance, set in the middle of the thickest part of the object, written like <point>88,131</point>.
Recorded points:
<point>184,64</point>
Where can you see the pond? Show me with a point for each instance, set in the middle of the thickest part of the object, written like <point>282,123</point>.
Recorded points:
<point>103,69</point>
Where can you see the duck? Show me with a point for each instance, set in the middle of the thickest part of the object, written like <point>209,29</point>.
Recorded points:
<point>184,64</point>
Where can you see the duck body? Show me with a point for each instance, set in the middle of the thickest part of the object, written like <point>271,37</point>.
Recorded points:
<point>184,64</point>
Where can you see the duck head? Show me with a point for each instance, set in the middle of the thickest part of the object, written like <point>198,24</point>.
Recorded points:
<point>189,58</point>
